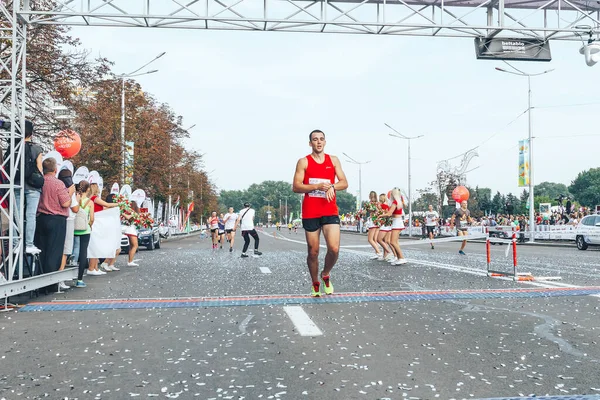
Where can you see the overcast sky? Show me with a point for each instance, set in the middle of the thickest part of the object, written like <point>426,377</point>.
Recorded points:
<point>255,96</point>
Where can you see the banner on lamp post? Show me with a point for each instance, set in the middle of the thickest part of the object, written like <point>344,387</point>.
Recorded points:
<point>129,163</point>
<point>524,172</point>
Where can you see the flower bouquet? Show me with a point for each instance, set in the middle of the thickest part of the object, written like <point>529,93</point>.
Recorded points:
<point>128,216</point>
<point>143,220</point>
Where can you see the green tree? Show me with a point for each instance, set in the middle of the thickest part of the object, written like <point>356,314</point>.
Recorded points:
<point>550,189</point>
<point>524,198</point>
<point>540,199</point>
<point>586,187</point>
<point>514,201</point>
<point>497,204</point>
<point>346,202</point>
<point>484,198</point>
<point>426,197</point>
<point>232,198</point>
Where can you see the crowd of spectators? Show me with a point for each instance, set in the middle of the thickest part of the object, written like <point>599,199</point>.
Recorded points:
<point>58,218</point>
<point>559,216</point>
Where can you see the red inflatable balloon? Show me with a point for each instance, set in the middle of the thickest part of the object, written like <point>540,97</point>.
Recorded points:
<point>460,194</point>
<point>67,143</point>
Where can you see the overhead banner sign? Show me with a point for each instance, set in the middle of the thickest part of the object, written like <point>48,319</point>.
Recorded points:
<point>512,49</point>
<point>524,163</point>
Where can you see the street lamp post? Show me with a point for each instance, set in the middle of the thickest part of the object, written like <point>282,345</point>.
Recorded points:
<point>408,138</point>
<point>268,210</point>
<point>531,195</point>
<point>360,164</point>
<point>170,177</point>
<point>123,77</point>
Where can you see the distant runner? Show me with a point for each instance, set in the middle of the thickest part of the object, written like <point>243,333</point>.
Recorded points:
<point>431,219</point>
<point>221,229</point>
<point>213,224</point>
<point>315,177</point>
<point>464,219</point>
<point>230,218</point>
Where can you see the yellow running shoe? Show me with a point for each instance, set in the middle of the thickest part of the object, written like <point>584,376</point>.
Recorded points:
<point>328,285</point>
<point>317,292</point>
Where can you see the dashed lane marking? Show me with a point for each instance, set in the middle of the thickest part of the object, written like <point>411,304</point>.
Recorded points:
<point>304,325</point>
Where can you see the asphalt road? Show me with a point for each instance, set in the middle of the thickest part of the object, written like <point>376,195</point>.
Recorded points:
<point>475,345</point>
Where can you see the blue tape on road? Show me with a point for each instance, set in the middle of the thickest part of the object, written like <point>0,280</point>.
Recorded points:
<point>570,397</point>
<point>287,300</point>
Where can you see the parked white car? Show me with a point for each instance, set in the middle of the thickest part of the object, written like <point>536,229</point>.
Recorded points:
<point>587,232</point>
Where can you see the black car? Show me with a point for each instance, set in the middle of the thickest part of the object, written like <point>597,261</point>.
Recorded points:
<point>148,237</point>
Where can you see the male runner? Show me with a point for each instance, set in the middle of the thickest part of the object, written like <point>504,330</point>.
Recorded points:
<point>315,177</point>
<point>221,229</point>
<point>431,219</point>
<point>229,220</point>
<point>464,219</point>
<point>246,221</point>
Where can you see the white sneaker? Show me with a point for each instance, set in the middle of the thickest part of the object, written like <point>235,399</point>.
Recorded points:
<point>389,257</point>
<point>114,268</point>
<point>392,260</point>
<point>32,250</point>
<point>107,268</point>
<point>380,258</point>
<point>132,264</point>
<point>401,261</point>
<point>62,286</point>
<point>104,266</point>
<point>95,272</point>
<point>101,272</point>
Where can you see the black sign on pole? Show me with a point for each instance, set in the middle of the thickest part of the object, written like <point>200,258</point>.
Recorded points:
<point>512,49</point>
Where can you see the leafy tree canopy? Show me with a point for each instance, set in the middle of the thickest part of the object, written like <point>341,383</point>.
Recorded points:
<point>586,187</point>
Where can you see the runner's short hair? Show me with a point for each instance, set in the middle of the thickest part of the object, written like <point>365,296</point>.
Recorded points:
<point>315,131</point>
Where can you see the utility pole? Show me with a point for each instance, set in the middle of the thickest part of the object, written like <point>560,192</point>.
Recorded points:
<point>408,138</point>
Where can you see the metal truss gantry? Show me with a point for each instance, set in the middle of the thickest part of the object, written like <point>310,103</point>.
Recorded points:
<point>537,19</point>
<point>541,19</point>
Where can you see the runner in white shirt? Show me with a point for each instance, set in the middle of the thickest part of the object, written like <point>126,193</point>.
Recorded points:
<point>230,218</point>
<point>431,219</point>
<point>246,221</point>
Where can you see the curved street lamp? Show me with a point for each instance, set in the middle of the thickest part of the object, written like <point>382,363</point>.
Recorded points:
<point>531,197</point>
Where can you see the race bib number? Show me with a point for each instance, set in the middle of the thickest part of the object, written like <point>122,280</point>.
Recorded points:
<point>463,224</point>
<point>317,193</point>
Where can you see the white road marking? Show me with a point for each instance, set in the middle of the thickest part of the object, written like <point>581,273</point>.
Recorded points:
<point>302,321</point>
<point>265,270</point>
<point>245,322</point>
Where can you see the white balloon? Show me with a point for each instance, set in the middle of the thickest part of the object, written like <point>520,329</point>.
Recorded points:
<point>138,196</point>
<point>93,177</point>
<point>126,191</point>
<point>115,188</point>
<point>82,174</point>
<point>67,165</point>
